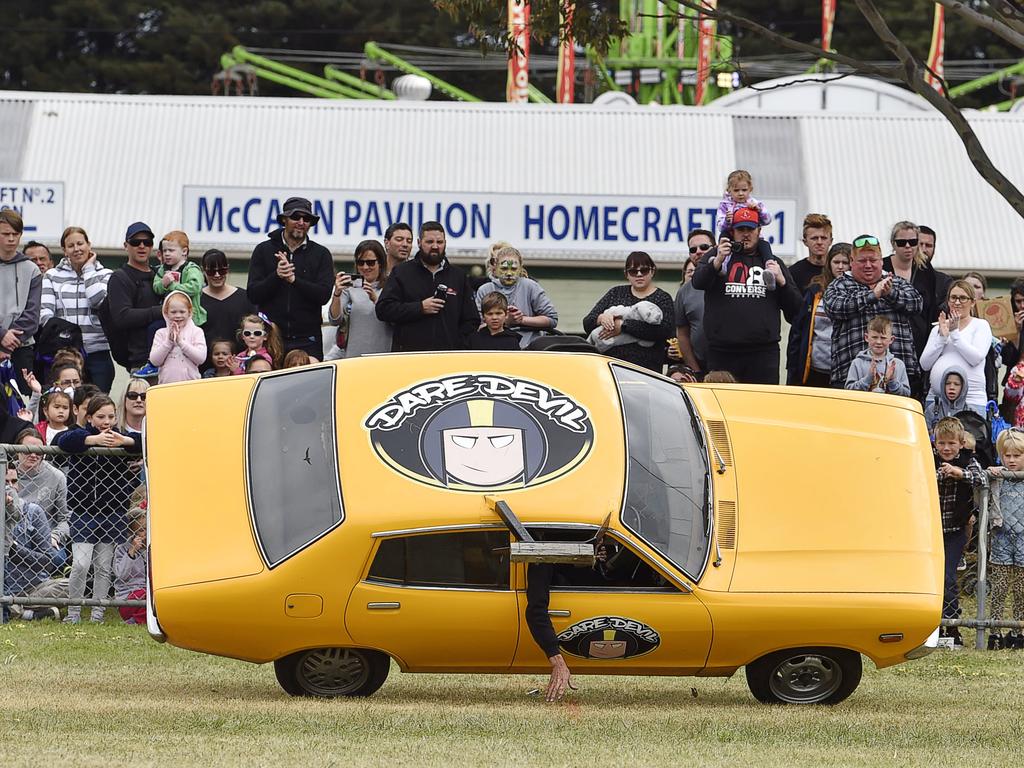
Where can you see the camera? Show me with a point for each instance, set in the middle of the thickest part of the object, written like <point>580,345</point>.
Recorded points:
<point>737,246</point>
<point>441,292</point>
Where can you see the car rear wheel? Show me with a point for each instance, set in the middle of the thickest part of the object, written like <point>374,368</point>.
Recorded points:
<point>332,672</point>
<point>805,676</point>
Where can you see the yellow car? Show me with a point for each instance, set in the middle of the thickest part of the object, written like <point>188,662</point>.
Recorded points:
<point>335,517</point>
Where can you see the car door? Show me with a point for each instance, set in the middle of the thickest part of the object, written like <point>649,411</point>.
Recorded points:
<point>634,620</point>
<point>439,601</point>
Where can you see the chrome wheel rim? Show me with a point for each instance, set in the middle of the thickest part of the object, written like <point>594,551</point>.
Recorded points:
<point>333,671</point>
<point>806,679</point>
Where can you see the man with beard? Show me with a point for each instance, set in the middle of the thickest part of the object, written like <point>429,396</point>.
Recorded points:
<point>412,302</point>
<point>397,244</point>
<point>291,278</point>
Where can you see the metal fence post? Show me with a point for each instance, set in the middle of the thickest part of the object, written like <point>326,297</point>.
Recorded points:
<point>3,527</point>
<point>981,587</point>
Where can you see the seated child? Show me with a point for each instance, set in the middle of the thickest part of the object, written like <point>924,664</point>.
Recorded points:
<point>494,335</point>
<point>130,562</point>
<point>1006,557</point>
<point>958,474</point>
<point>876,369</point>
<point>947,395</point>
<point>642,311</point>
<point>719,377</point>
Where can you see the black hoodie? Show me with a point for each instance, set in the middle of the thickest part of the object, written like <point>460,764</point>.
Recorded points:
<point>740,310</point>
<point>294,307</point>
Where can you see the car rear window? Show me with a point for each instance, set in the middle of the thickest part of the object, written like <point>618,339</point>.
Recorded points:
<point>294,488</point>
<point>466,560</point>
<point>666,501</point>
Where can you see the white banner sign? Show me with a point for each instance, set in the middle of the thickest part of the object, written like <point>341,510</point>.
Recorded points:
<point>597,224</point>
<point>41,205</point>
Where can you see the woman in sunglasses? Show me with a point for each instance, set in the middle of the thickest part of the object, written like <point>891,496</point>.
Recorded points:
<point>133,407</point>
<point>225,304</point>
<point>959,339</point>
<point>353,302</point>
<point>648,350</point>
<point>909,262</point>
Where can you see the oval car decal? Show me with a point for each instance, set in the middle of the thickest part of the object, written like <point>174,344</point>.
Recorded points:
<point>481,432</point>
<point>608,637</point>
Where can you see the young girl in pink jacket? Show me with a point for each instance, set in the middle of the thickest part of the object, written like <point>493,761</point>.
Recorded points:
<point>180,348</point>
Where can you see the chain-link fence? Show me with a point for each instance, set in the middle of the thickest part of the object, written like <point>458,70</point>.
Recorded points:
<point>981,580</point>
<point>74,534</point>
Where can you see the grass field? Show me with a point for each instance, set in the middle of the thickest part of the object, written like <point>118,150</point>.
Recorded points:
<point>107,695</point>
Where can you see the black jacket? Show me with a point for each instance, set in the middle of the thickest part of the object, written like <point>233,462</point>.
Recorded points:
<point>739,310</point>
<point>483,339</point>
<point>132,305</point>
<point>293,307</point>
<point>401,304</point>
<point>933,286</point>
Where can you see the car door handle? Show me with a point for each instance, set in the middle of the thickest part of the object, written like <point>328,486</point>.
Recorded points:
<point>383,606</point>
<point>564,614</point>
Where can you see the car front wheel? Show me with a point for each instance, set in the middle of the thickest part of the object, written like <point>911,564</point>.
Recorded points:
<point>331,672</point>
<point>804,676</point>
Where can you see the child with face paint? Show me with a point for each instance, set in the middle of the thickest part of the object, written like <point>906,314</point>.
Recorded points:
<point>530,311</point>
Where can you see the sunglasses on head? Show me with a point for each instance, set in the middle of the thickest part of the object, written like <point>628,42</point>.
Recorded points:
<point>366,262</point>
<point>860,242</point>
<point>302,217</point>
<point>135,242</point>
<point>638,271</point>
<point>136,396</point>
<point>903,242</point>
<point>257,333</point>
<point>215,271</point>
<point>702,247</point>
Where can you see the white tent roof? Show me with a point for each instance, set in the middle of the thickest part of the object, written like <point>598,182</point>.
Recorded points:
<point>123,158</point>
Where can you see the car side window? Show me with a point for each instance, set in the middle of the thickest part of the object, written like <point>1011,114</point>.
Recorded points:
<point>623,570</point>
<point>294,491</point>
<point>461,560</point>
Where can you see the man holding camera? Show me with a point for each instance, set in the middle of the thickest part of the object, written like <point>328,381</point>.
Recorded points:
<point>291,278</point>
<point>745,287</point>
<point>427,300</point>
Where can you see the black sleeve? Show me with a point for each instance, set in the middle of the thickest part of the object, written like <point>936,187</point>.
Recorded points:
<point>469,318</point>
<point>590,321</point>
<point>538,594</point>
<point>121,302</point>
<point>706,274</point>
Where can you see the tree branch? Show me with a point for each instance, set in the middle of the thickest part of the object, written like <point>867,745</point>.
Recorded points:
<point>986,22</point>
<point>914,78</point>
<point>795,45</point>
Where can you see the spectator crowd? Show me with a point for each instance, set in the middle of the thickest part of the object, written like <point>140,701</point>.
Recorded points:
<point>871,314</point>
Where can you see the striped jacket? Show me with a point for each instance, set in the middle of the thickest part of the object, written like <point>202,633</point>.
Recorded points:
<point>851,306</point>
<point>74,298</point>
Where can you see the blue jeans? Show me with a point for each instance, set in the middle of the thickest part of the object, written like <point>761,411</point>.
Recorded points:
<point>953,543</point>
<point>99,369</point>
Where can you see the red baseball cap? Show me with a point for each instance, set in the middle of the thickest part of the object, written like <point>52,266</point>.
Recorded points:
<point>746,217</point>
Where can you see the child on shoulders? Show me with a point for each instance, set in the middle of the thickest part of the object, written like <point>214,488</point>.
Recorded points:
<point>739,187</point>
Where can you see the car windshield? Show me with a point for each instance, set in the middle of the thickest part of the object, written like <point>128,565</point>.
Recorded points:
<point>667,495</point>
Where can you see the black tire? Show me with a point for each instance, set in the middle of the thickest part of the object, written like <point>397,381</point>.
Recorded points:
<point>331,672</point>
<point>805,676</point>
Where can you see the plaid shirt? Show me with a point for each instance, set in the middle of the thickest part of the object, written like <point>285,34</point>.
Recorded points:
<point>851,305</point>
<point>956,496</point>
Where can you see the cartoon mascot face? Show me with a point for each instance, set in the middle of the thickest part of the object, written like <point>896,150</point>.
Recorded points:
<point>483,444</point>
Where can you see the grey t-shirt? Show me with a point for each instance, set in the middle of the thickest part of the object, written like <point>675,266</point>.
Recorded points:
<point>689,307</point>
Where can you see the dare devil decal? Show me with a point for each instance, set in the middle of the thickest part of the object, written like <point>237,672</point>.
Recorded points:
<point>608,637</point>
<point>481,432</point>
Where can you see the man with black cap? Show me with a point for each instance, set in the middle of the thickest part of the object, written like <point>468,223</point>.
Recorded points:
<point>291,278</point>
<point>131,305</point>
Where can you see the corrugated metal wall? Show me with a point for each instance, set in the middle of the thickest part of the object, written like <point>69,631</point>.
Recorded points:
<point>127,157</point>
